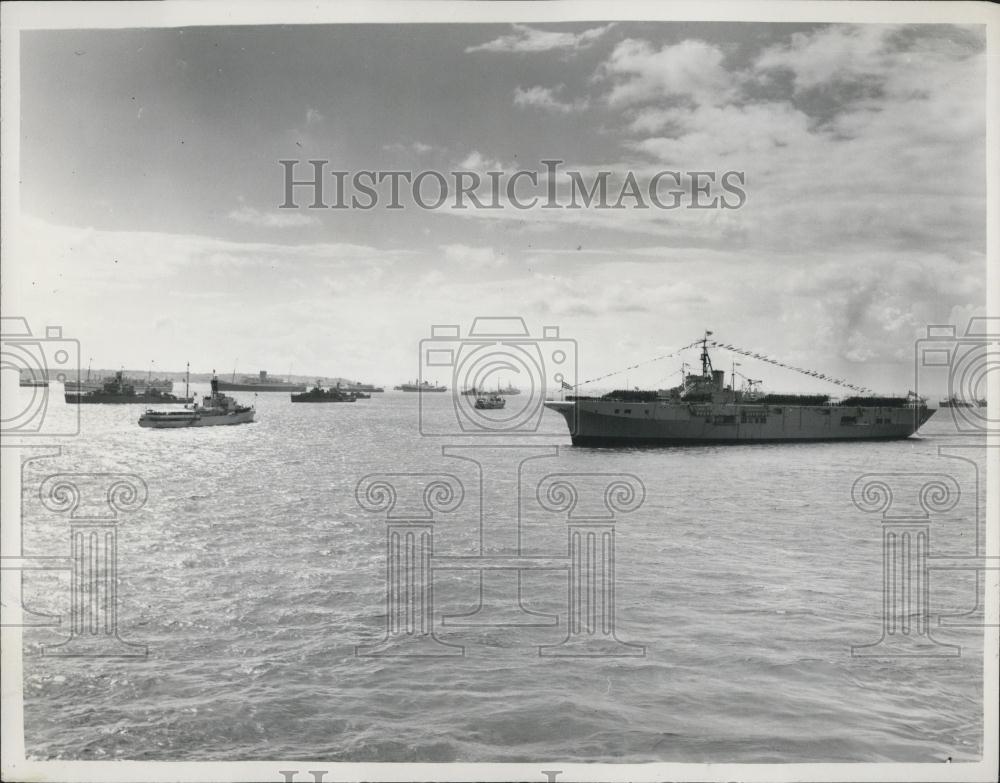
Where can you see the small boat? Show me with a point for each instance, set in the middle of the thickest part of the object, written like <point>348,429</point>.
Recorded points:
<point>417,386</point>
<point>215,410</point>
<point>491,402</point>
<point>318,394</point>
<point>506,391</point>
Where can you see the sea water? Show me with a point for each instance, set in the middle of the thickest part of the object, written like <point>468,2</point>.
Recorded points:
<point>252,575</point>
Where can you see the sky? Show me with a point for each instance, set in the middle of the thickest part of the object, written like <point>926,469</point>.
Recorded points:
<point>150,185</point>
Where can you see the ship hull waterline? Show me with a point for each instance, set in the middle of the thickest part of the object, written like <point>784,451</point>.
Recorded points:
<point>621,424</point>
<point>123,399</point>
<point>225,386</point>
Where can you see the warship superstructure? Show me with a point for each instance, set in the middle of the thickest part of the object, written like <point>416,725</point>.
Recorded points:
<point>119,391</point>
<point>702,409</point>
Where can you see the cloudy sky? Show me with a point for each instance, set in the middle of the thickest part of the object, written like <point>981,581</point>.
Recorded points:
<point>150,187</point>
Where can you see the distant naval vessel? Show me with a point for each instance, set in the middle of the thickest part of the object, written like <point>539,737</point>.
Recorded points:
<point>119,391</point>
<point>260,383</point>
<point>702,409</point>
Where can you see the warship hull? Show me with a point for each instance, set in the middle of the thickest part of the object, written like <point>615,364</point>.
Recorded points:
<point>236,386</point>
<point>97,398</point>
<point>305,398</point>
<point>620,423</point>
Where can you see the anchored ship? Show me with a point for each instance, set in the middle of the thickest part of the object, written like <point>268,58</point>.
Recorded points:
<point>118,391</point>
<point>215,410</point>
<point>363,387</point>
<point>417,386</point>
<point>506,391</point>
<point>319,394</point>
<point>141,387</point>
<point>260,383</point>
<point>702,409</point>
<point>957,402</point>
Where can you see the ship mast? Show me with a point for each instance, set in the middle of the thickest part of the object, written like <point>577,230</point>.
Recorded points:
<point>706,361</point>
<point>187,380</point>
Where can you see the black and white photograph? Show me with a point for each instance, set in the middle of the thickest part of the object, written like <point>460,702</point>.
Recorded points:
<point>448,391</point>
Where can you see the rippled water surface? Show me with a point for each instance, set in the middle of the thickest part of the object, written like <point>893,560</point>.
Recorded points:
<point>252,574</point>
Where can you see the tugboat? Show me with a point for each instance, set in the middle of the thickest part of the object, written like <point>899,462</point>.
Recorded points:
<point>416,386</point>
<point>318,394</point>
<point>118,391</point>
<point>491,402</point>
<point>215,410</point>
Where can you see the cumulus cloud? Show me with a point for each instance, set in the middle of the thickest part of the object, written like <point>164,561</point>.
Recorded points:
<point>289,219</point>
<point>478,257</point>
<point>531,39</point>
<point>690,69</point>
<point>834,54</point>
<point>476,161</point>
<point>547,98</point>
<point>414,146</point>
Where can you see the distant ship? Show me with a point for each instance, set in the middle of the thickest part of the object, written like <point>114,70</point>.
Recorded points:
<point>956,402</point>
<point>140,386</point>
<point>261,383</point>
<point>117,391</point>
<point>703,410</point>
<point>215,410</point>
<point>416,386</point>
<point>33,383</point>
<point>363,387</point>
<point>319,394</point>
<point>506,391</point>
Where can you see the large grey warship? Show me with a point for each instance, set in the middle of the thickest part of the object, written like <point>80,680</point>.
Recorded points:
<point>702,409</point>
